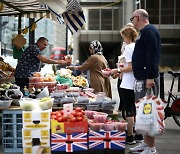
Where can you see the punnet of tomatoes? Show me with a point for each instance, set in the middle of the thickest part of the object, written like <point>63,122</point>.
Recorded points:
<point>77,115</point>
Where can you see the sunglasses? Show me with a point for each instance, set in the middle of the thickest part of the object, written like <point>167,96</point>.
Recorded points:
<point>131,19</point>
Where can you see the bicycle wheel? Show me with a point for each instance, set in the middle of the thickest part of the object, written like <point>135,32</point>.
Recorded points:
<point>175,108</point>
<point>177,119</point>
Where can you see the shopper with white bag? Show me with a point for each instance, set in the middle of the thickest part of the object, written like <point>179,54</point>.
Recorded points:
<point>150,115</point>
<point>145,61</point>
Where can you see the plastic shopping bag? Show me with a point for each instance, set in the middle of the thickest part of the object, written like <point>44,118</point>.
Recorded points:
<point>150,116</point>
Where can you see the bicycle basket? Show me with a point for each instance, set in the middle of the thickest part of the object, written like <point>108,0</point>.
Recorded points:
<point>176,106</point>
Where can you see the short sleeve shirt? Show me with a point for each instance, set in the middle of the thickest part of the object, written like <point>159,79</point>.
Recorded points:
<point>128,77</point>
<point>28,63</point>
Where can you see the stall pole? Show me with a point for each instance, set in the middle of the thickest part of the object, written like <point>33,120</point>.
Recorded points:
<point>31,33</point>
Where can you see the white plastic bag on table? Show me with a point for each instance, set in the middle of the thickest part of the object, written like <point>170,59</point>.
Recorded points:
<point>150,116</point>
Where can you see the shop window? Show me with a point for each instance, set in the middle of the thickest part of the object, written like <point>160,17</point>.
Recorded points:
<point>94,18</point>
<point>167,12</point>
<point>106,19</point>
<point>116,19</point>
<point>177,21</point>
<point>152,7</point>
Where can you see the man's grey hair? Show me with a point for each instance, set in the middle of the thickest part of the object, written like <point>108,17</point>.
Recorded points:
<point>142,13</point>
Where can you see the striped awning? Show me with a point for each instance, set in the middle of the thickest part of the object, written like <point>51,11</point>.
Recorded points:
<point>25,8</point>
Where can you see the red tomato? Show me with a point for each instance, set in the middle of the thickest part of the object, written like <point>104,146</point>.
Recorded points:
<point>78,109</point>
<point>79,119</point>
<point>58,114</point>
<point>60,119</point>
<point>80,114</point>
<point>83,112</point>
<point>65,118</point>
<point>53,117</point>
<point>71,116</point>
<point>74,113</point>
<point>73,119</point>
<point>53,113</point>
<point>62,112</point>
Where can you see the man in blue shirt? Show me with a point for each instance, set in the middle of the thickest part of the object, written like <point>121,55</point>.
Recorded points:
<point>30,62</point>
<point>145,61</point>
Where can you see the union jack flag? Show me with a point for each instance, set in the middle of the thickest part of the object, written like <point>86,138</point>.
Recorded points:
<point>69,142</point>
<point>106,140</point>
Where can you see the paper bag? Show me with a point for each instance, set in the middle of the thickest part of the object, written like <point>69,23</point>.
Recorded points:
<point>19,41</point>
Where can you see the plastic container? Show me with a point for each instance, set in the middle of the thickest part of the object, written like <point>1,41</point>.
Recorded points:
<point>100,117</point>
<point>95,126</point>
<point>43,93</point>
<point>120,126</point>
<point>46,104</point>
<point>62,86</point>
<point>89,114</point>
<point>108,126</point>
<point>92,107</point>
<point>12,131</point>
<point>37,74</point>
<point>27,104</point>
<point>41,85</point>
<point>36,79</point>
<point>4,104</point>
<point>88,89</point>
<point>16,92</point>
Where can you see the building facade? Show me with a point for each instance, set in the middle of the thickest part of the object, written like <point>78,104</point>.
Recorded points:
<point>105,18</point>
<point>53,31</point>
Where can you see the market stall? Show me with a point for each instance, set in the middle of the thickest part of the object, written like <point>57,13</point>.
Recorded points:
<point>60,117</point>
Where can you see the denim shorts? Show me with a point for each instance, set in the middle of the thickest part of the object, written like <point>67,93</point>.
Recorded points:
<point>140,89</point>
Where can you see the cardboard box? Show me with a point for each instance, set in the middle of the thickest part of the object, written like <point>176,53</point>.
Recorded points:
<point>36,119</point>
<point>69,142</point>
<point>106,140</point>
<point>36,150</point>
<point>31,137</point>
<point>69,127</point>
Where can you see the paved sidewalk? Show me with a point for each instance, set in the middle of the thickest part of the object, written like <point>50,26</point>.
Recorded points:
<point>169,141</point>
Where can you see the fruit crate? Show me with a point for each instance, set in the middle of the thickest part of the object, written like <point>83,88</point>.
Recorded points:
<point>12,130</point>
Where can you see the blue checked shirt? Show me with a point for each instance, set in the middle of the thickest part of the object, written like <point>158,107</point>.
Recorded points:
<point>28,62</point>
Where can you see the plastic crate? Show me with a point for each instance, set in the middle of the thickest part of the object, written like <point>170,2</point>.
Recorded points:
<point>12,130</point>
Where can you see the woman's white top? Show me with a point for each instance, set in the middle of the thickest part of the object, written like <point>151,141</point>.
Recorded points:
<point>128,77</point>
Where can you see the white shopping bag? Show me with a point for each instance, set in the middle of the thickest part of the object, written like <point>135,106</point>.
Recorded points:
<point>150,116</point>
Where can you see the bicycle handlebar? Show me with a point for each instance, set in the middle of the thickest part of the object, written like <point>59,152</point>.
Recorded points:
<point>175,74</point>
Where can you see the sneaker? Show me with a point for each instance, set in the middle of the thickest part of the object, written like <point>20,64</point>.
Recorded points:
<point>138,138</point>
<point>149,151</point>
<point>139,148</point>
<point>130,140</point>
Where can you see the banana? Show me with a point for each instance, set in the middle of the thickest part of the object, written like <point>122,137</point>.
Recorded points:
<point>25,30</point>
<point>34,26</point>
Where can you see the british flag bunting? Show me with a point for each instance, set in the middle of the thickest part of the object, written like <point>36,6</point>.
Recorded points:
<point>106,140</point>
<point>69,142</point>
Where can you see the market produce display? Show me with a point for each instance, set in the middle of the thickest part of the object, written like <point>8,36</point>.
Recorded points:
<point>46,103</point>
<point>27,104</point>
<point>5,102</point>
<point>76,115</point>
<point>100,121</point>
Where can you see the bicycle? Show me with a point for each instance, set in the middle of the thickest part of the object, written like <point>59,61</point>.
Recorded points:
<point>174,101</point>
